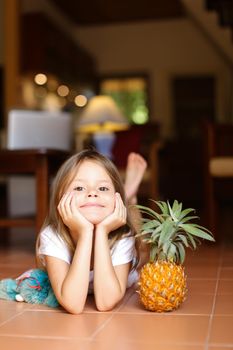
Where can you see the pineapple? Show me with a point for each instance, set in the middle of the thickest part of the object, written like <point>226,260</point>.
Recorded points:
<point>162,281</point>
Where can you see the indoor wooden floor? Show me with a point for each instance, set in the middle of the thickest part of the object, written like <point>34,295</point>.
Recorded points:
<point>204,321</point>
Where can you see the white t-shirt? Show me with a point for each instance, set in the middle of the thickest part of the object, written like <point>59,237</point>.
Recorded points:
<point>122,252</point>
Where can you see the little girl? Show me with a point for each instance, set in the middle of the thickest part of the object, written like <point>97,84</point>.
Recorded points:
<point>87,243</point>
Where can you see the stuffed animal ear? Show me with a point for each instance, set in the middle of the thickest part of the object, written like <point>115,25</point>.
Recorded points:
<point>8,289</point>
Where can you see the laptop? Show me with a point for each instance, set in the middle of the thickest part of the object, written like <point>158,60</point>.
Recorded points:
<point>29,129</point>
<point>39,129</point>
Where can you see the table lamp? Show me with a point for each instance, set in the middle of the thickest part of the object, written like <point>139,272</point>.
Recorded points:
<point>102,118</point>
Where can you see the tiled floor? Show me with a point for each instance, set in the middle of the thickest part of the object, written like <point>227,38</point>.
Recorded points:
<point>204,321</point>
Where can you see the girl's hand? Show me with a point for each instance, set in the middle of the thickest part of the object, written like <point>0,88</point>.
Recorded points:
<point>116,219</point>
<point>71,216</point>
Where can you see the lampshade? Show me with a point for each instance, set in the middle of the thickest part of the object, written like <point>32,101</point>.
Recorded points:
<point>102,115</point>
<point>102,118</point>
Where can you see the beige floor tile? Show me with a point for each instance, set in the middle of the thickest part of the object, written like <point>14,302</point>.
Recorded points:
<point>13,271</point>
<point>225,287</point>
<point>226,273</point>
<point>15,306</point>
<point>6,315</point>
<point>131,345</point>
<point>9,343</point>
<point>224,304</point>
<point>208,254</point>
<point>201,286</point>
<point>221,347</point>
<point>45,308</point>
<point>195,304</point>
<point>54,324</point>
<point>133,305</point>
<point>227,261</point>
<point>156,328</point>
<point>221,331</point>
<point>202,272</point>
<point>227,253</point>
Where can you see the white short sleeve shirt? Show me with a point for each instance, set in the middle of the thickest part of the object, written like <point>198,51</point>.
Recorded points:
<point>52,244</point>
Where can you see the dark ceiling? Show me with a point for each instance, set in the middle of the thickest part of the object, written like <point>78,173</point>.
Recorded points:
<point>98,12</point>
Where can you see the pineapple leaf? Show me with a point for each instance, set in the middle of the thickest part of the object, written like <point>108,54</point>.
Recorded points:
<point>175,210</point>
<point>181,251</point>
<point>142,233</point>
<point>156,232</point>
<point>163,207</point>
<point>192,240</point>
<point>187,218</point>
<point>172,213</point>
<point>172,252</point>
<point>201,227</point>
<point>153,252</point>
<point>183,238</point>
<point>161,256</point>
<point>167,230</point>
<point>150,224</point>
<point>195,231</point>
<point>166,247</point>
<point>171,231</point>
<point>150,212</point>
<point>185,212</point>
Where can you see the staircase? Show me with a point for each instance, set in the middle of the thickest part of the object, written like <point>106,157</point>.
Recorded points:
<point>224,8</point>
<point>213,19</point>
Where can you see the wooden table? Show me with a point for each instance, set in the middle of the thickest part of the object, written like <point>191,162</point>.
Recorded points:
<point>38,162</point>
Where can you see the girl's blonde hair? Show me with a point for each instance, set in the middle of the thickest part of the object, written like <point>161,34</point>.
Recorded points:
<point>64,177</point>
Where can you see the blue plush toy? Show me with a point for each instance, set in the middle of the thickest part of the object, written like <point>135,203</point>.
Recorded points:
<point>32,287</point>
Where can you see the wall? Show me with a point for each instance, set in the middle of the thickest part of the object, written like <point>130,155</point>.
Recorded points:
<point>163,49</point>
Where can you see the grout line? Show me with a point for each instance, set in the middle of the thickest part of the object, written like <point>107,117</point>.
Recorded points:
<point>112,315</point>
<point>36,336</point>
<point>143,343</point>
<point>214,299</point>
<point>225,346</point>
<point>159,314</point>
<point>11,318</point>
<point>101,327</point>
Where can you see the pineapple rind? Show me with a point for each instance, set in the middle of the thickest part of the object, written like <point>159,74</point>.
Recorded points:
<point>162,286</point>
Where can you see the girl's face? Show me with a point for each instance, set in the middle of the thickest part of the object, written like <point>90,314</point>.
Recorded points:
<point>94,191</point>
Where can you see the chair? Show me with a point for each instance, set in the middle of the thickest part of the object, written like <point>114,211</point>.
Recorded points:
<point>41,163</point>
<point>143,139</point>
<point>218,169</point>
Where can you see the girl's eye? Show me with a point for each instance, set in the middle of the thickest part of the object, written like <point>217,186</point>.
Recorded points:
<point>103,188</point>
<point>79,188</point>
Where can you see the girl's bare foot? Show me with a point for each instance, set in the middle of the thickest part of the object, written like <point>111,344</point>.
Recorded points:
<point>136,166</point>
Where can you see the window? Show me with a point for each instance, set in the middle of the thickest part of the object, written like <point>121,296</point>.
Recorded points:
<point>130,94</point>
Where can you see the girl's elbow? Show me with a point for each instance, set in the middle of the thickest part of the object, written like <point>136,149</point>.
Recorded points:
<point>74,310</point>
<point>107,305</point>
<point>104,307</point>
<point>72,305</point>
